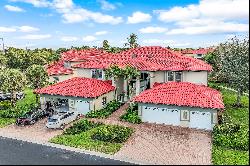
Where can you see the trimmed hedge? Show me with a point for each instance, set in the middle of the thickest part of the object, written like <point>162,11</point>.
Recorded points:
<point>131,115</point>
<point>106,111</point>
<point>81,126</point>
<point>112,134</point>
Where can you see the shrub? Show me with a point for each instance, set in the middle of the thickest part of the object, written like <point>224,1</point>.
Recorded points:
<point>231,135</point>
<point>106,111</point>
<point>17,111</point>
<point>81,126</point>
<point>112,134</point>
<point>131,115</point>
<point>5,105</point>
<point>214,86</point>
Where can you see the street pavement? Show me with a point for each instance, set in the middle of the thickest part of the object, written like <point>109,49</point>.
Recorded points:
<point>15,152</point>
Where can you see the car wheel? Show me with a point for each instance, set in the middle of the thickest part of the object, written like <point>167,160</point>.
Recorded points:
<point>32,122</point>
<point>62,126</point>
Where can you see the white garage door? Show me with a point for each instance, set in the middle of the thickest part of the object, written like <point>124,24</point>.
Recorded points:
<point>161,115</point>
<point>82,107</point>
<point>200,120</point>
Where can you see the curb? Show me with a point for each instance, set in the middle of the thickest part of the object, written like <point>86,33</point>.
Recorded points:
<point>78,150</point>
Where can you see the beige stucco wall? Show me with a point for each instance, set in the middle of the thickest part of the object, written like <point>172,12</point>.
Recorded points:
<point>198,77</point>
<point>157,76</point>
<point>61,77</point>
<point>96,104</point>
<point>79,72</point>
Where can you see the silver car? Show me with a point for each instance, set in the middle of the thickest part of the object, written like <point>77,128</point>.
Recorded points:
<point>61,119</point>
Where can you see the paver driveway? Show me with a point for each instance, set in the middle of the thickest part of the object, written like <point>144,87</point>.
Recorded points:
<point>158,144</point>
<point>34,133</point>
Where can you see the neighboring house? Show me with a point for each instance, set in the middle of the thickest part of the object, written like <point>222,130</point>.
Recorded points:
<point>157,65</point>
<point>180,104</point>
<point>81,94</point>
<point>198,53</point>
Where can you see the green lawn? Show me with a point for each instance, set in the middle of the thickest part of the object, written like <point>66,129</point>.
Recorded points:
<point>225,156</point>
<point>83,140</point>
<point>29,99</point>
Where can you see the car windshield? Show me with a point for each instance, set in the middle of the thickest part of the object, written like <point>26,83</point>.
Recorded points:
<point>52,120</point>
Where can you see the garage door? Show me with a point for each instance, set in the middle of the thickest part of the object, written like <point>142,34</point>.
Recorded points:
<point>82,107</point>
<point>200,120</point>
<point>161,115</point>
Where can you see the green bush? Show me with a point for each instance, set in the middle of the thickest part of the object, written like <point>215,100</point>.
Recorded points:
<point>224,156</point>
<point>106,111</point>
<point>112,134</point>
<point>5,105</point>
<point>131,115</point>
<point>231,135</point>
<point>214,86</point>
<point>81,126</point>
<point>16,112</point>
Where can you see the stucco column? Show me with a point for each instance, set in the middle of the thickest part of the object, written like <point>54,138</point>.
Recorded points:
<point>125,88</point>
<point>137,86</point>
<point>151,77</point>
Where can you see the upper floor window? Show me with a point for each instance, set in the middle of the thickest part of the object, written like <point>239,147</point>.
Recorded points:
<point>170,76</point>
<point>174,76</point>
<point>97,73</point>
<point>178,76</point>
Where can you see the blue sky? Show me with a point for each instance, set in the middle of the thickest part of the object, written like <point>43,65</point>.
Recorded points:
<point>63,23</point>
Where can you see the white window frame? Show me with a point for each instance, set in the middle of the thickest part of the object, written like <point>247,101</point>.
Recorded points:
<point>174,75</point>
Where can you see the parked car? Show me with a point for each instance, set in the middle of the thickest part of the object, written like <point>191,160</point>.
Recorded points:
<point>60,119</point>
<point>7,96</point>
<point>32,117</point>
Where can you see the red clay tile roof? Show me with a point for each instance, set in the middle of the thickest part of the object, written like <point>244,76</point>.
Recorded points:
<point>149,58</point>
<point>82,55</point>
<point>57,68</point>
<point>152,58</point>
<point>197,51</point>
<point>182,94</point>
<point>78,87</point>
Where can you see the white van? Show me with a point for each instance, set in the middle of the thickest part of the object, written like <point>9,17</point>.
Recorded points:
<point>61,119</point>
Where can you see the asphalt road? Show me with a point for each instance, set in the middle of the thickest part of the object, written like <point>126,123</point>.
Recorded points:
<point>14,152</point>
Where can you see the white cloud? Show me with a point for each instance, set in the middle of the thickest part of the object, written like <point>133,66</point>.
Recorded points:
<point>208,17</point>
<point>72,13</point>
<point>69,38</point>
<point>101,33</point>
<point>216,9</point>
<point>178,13</point>
<point>36,37</point>
<point>36,3</point>
<point>151,29</point>
<point>139,17</point>
<point>222,27</point>
<point>105,5</point>
<point>89,38</point>
<point>28,29</point>
<point>157,41</point>
<point>13,8</point>
<point>7,29</point>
